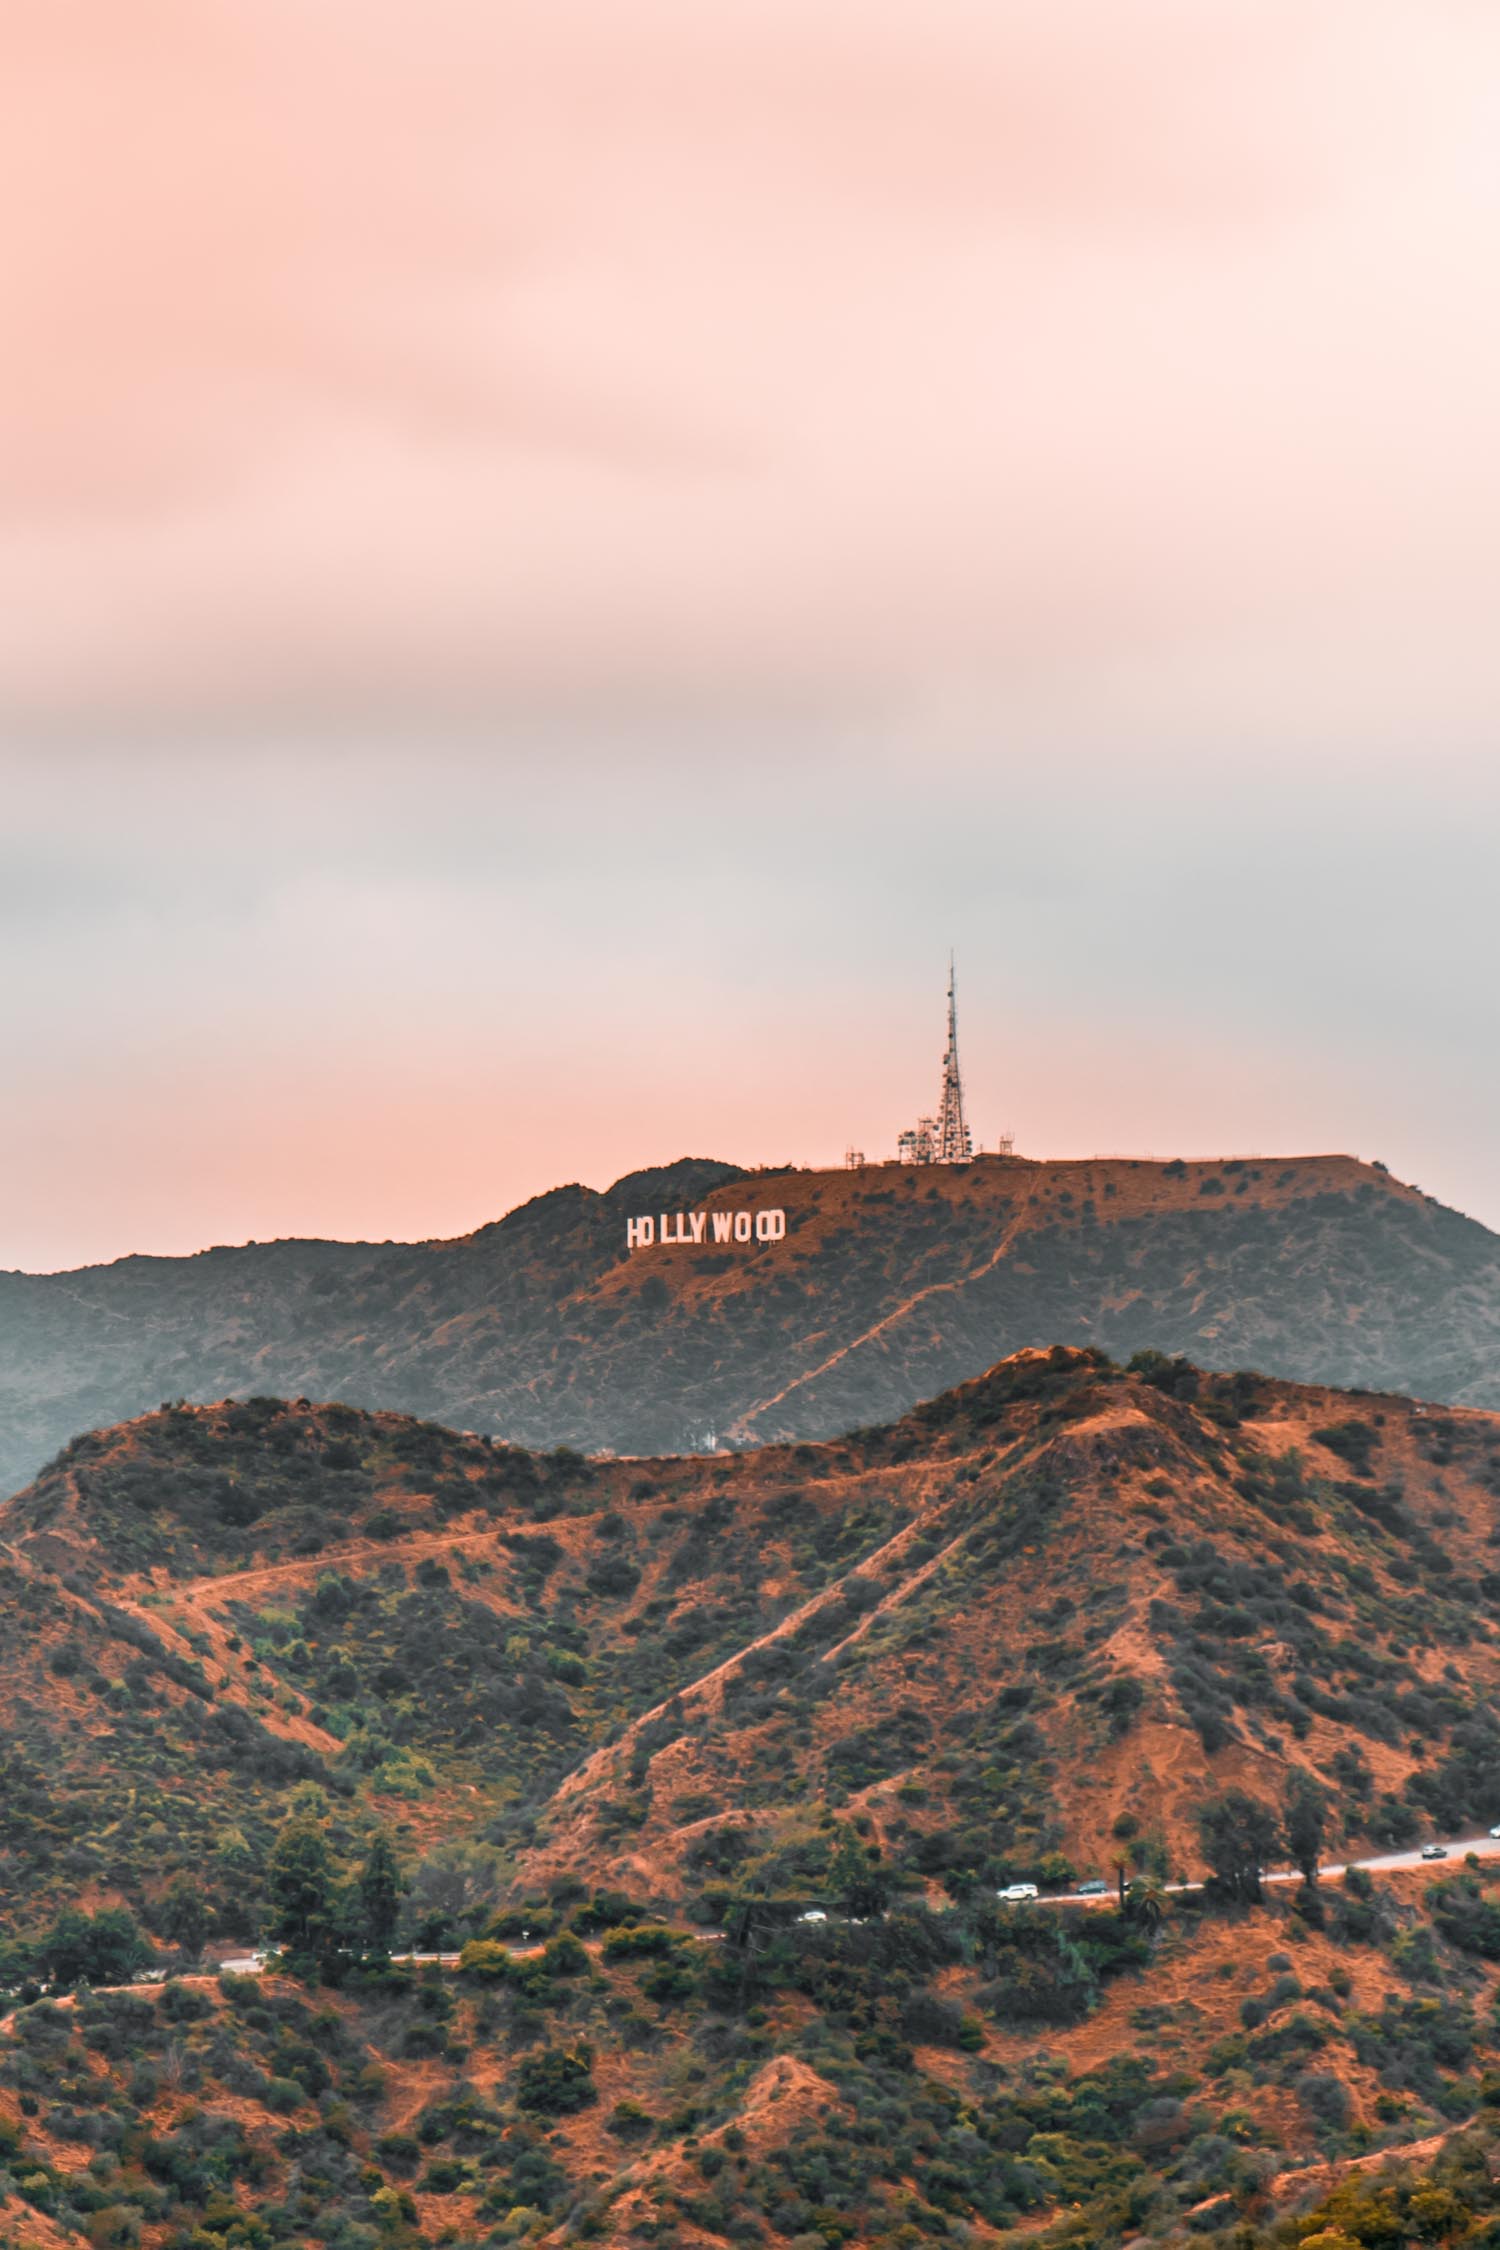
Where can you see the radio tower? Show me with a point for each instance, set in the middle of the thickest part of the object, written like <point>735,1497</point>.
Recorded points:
<point>952,1137</point>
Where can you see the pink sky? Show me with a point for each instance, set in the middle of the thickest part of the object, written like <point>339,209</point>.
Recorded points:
<point>444,447</point>
<point>376,356</point>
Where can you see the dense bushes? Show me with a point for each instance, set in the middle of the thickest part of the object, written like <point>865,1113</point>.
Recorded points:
<point>103,1948</point>
<point>556,2080</point>
<point>1466,1916</point>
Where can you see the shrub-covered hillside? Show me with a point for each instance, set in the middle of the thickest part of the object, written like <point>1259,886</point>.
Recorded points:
<point>1058,1600</point>
<point>892,1283</point>
<point>704,1775</point>
<point>971,2075</point>
<point>200,1610</point>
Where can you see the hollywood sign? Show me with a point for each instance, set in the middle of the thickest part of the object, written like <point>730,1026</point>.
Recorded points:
<point>705,1226</point>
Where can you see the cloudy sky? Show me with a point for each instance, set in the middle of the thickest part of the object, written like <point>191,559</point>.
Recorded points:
<point>554,557</point>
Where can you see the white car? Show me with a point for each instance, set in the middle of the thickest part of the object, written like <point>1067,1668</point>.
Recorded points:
<point>1495,1831</point>
<point>813,1914</point>
<point>1016,1894</point>
<point>1434,1851</point>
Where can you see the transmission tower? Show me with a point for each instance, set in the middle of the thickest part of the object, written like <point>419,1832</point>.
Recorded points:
<point>951,1139</point>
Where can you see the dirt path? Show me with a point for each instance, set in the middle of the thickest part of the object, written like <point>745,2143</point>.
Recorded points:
<point>199,1604</point>
<point>741,1427</point>
<point>600,1760</point>
<point>1319,2178</point>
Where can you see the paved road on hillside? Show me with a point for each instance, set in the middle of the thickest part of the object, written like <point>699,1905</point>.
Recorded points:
<point>1483,1847</point>
<point>1455,1852</point>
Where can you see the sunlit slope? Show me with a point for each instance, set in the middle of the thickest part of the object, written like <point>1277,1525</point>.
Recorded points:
<point>1059,1596</point>
<point>1024,1632</point>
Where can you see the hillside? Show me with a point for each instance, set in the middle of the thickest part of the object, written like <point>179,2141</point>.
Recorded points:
<point>892,1283</point>
<point>1057,1596</point>
<point>1027,1630</point>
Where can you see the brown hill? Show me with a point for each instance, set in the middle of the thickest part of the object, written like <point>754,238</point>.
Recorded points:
<point>207,1606</point>
<point>892,1283</point>
<point>1109,1596</point>
<point>1025,1630</point>
<point>1060,1598</point>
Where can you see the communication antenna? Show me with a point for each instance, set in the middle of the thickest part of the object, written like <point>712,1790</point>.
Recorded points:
<point>952,1143</point>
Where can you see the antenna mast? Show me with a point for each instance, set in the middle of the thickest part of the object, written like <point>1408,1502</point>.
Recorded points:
<point>953,1145</point>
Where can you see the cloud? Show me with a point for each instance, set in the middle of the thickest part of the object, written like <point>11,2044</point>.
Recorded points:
<point>443,362</point>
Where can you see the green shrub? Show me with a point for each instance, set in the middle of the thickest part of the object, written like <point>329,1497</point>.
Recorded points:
<point>640,1938</point>
<point>555,2081</point>
<point>1352,1441</point>
<point>486,1958</point>
<point>629,2122</point>
<point>565,1955</point>
<point>401,2151</point>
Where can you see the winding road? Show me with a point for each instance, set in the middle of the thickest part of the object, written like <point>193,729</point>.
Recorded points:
<point>1384,1863</point>
<point>1455,1851</point>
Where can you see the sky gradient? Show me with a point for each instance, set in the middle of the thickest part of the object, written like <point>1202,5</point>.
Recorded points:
<point>552,559</point>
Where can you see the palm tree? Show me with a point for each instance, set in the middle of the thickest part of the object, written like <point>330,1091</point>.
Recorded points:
<point>1146,1902</point>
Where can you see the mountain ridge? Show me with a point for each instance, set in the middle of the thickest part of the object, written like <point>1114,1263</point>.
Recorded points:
<point>892,1283</point>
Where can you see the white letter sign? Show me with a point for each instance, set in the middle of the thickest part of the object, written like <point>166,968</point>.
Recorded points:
<point>689,1227</point>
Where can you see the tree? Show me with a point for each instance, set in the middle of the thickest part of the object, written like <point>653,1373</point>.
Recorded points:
<point>378,1897</point>
<point>299,1883</point>
<point>233,1852</point>
<point>857,1882</point>
<point>1306,1816</point>
<point>183,1916</point>
<point>1238,1834</point>
<point>453,1890</point>
<point>1145,1902</point>
<point>104,1948</point>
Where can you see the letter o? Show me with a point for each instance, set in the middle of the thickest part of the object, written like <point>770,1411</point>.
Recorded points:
<point>770,1226</point>
<point>742,1226</point>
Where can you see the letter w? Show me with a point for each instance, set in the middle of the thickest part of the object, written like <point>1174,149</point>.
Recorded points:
<point>723,1225</point>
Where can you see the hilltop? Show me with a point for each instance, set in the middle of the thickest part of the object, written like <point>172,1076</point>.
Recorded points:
<point>1027,1630</point>
<point>892,1283</point>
